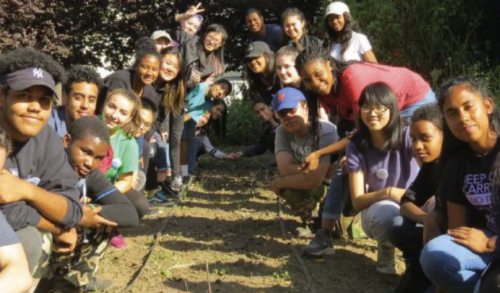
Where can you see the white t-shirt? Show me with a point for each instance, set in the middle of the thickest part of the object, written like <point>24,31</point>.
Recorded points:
<point>358,45</point>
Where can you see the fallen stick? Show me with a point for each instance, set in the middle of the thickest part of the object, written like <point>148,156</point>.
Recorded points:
<point>208,279</point>
<point>305,269</point>
<point>182,193</point>
<point>181,266</point>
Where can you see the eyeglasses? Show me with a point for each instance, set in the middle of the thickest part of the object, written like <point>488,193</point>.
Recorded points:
<point>285,112</point>
<point>379,110</point>
<point>213,41</point>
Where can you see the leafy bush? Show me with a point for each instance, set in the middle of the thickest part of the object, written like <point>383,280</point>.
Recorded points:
<point>242,125</point>
<point>437,38</point>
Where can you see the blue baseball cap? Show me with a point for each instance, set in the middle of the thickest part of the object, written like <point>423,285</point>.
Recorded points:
<point>287,98</point>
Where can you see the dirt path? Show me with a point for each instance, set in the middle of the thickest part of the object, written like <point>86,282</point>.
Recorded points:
<point>229,221</point>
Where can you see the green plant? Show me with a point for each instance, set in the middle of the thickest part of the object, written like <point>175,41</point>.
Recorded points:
<point>437,38</point>
<point>242,125</point>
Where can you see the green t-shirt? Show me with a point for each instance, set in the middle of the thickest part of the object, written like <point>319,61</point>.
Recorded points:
<point>126,149</point>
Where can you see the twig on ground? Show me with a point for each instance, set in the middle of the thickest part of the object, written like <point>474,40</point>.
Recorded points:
<point>181,266</point>
<point>305,269</point>
<point>185,284</point>
<point>156,238</point>
<point>208,279</point>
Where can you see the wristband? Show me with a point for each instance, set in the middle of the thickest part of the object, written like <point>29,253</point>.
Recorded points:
<point>93,206</point>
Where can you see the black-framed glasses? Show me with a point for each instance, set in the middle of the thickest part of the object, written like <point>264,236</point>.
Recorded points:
<point>213,40</point>
<point>379,110</point>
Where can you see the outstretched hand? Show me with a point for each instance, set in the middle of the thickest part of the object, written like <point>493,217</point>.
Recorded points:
<point>92,219</point>
<point>193,10</point>
<point>310,163</point>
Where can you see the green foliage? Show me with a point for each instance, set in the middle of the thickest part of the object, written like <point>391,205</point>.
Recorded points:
<point>437,38</point>
<point>242,125</point>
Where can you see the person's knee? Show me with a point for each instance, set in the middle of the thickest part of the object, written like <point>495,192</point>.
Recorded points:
<point>396,231</point>
<point>437,260</point>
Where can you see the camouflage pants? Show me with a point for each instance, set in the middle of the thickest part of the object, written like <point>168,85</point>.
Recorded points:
<point>41,268</point>
<point>304,202</point>
<point>80,267</point>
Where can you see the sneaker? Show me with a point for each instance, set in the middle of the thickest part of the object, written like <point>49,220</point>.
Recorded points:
<point>118,241</point>
<point>322,244</point>
<point>160,198</point>
<point>176,183</point>
<point>386,259</point>
<point>167,190</point>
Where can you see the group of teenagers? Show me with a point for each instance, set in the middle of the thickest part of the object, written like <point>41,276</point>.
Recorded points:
<point>349,136</point>
<point>73,174</point>
<point>353,136</point>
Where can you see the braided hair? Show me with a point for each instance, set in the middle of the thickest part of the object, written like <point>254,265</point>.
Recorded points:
<point>321,54</point>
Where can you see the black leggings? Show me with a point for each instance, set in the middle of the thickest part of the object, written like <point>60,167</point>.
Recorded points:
<point>176,126</point>
<point>139,201</point>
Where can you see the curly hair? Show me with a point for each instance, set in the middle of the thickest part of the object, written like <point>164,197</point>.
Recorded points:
<point>430,113</point>
<point>343,37</point>
<point>82,73</point>
<point>4,144</point>
<point>88,125</point>
<point>143,53</point>
<point>144,43</point>
<point>22,58</point>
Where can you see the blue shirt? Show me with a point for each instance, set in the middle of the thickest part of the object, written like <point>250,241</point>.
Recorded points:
<point>57,121</point>
<point>197,103</point>
<point>274,37</point>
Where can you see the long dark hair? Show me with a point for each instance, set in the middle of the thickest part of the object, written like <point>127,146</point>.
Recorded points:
<point>319,53</point>
<point>219,53</point>
<point>451,144</point>
<point>219,124</point>
<point>175,90</point>
<point>380,94</point>
<point>343,37</point>
<point>254,80</point>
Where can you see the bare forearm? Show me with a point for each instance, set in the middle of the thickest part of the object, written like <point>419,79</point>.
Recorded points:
<point>289,170</point>
<point>364,201</point>
<point>47,226</point>
<point>337,147</point>
<point>411,211</point>
<point>491,245</point>
<point>15,276</point>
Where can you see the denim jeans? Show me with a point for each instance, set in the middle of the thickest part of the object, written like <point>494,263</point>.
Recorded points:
<point>162,157</point>
<point>408,111</point>
<point>377,219</point>
<point>452,266</point>
<point>332,207</point>
<point>407,236</point>
<point>193,150</point>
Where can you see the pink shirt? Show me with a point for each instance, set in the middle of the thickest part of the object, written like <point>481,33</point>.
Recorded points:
<point>408,86</point>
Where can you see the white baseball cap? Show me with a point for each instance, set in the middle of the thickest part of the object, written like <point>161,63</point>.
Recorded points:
<point>161,34</point>
<point>338,8</point>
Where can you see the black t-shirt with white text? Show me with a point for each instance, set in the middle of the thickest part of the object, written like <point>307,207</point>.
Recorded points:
<point>468,180</point>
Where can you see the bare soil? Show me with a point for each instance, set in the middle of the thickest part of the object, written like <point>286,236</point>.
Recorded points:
<point>229,223</point>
